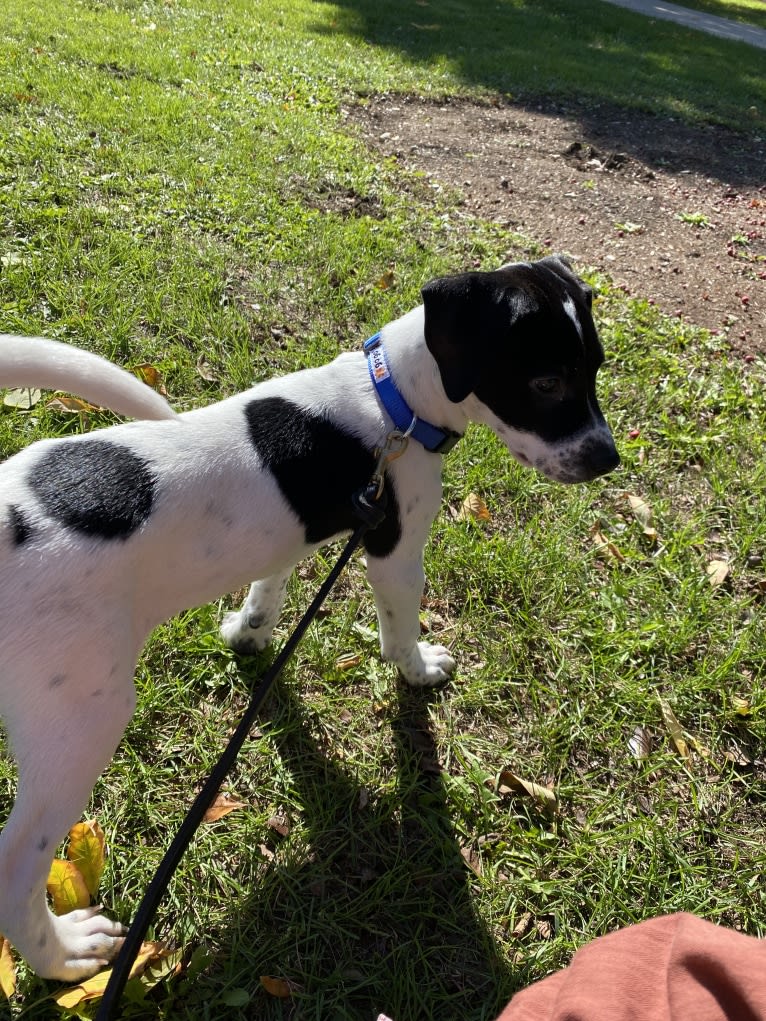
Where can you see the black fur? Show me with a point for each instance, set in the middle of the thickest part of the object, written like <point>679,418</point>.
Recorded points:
<point>22,529</point>
<point>95,487</point>
<point>318,467</point>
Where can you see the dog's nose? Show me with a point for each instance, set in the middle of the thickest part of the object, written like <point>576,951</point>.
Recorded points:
<point>603,458</point>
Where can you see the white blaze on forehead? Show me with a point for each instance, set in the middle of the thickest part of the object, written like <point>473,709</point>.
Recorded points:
<point>571,311</point>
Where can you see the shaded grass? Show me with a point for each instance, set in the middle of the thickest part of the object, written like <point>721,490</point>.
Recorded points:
<point>175,184</point>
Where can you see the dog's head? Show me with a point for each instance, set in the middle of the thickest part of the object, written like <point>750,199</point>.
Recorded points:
<point>519,346</point>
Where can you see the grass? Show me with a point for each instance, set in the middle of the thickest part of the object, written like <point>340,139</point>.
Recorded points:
<point>172,178</point>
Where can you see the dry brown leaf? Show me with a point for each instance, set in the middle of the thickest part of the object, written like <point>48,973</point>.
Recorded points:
<point>70,405</point>
<point>386,281</point>
<point>640,743</point>
<point>66,887</point>
<point>675,730</point>
<point>522,926</point>
<point>276,986</point>
<point>642,512</point>
<point>717,572</point>
<point>86,851</point>
<point>222,805</point>
<point>474,507</point>
<point>151,375</point>
<point>348,661</point>
<point>472,859</point>
<point>267,853</point>
<point>509,782</point>
<point>280,824</point>
<point>605,546</point>
<point>7,969</point>
<point>206,370</point>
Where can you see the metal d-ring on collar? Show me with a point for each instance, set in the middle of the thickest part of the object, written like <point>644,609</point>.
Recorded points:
<point>406,422</point>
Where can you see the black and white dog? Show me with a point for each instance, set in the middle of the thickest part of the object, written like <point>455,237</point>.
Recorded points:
<point>104,536</point>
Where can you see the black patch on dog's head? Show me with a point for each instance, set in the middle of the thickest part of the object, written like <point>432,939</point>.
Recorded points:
<point>318,466</point>
<point>22,529</point>
<point>95,487</point>
<point>495,334</point>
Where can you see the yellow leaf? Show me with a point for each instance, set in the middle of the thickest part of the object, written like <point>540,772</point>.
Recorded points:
<point>675,730</point>
<point>474,507</point>
<point>386,281</point>
<point>509,781</point>
<point>276,986</point>
<point>221,806</point>
<point>93,988</point>
<point>66,887</point>
<point>741,706</point>
<point>7,969</point>
<point>86,851</point>
<point>717,572</point>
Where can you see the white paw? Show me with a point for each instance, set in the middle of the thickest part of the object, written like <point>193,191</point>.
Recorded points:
<point>87,941</point>
<point>237,632</point>
<point>426,665</point>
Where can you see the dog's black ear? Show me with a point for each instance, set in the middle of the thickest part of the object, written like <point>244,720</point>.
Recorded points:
<point>464,315</point>
<point>562,267</point>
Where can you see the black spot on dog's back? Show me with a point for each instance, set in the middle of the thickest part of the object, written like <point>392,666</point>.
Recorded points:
<point>20,526</point>
<point>92,486</point>
<point>318,467</point>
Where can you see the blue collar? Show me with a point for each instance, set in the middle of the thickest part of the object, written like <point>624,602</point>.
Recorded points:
<point>438,441</point>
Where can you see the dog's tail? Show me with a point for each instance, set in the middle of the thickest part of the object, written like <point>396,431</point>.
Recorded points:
<point>51,365</point>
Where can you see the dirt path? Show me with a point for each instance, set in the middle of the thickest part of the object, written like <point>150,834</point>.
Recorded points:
<point>673,213</point>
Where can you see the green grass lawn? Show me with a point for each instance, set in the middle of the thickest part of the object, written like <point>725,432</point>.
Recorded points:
<point>167,171</point>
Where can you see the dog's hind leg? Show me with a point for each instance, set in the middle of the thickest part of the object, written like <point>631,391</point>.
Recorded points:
<point>249,629</point>
<point>61,742</point>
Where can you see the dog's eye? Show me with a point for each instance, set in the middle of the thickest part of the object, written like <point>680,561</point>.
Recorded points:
<point>547,385</point>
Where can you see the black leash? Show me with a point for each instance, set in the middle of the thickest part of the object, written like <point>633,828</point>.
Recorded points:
<point>369,505</point>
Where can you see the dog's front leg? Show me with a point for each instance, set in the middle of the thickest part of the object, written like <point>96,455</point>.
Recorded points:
<point>248,630</point>
<point>397,582</point>
<point>61,750</point>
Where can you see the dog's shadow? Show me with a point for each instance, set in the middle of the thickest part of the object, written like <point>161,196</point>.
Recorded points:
<point>377,891</point>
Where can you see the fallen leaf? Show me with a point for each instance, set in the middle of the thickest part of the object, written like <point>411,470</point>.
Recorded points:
<point>348,661</point>
<point>509,781</point>
<point>280,824</point>
<point>522,926</point>
<point>472,860</point>
<point>717,572</point>
<point>474,507</point>
<point>276,986</point>
<point>93,988</point>
<point>22,398</point>
<point>675,730</point>
<point>70,405</point>
<point>386,280</point>
<point>151,375</point>
<point>7,969</point>
<point>640,743</point>
<point>67,887</point>
<point>544,928</point>
<point>605,546</point>
<point>741,706</point>
<point>221,806</point>
<point>642,512</point>
<point>206,370</point>
<point>86,852</point>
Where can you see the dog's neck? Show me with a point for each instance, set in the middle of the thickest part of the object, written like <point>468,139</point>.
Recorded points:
<point>416,374</point>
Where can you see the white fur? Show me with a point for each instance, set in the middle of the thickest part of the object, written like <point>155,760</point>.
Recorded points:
<point>76,609</point>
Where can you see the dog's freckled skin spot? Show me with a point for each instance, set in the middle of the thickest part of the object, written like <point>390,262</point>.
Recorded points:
<point>98,693</point>
<point>56,681</point>
<point>42,941</point>
<point>42,843</point>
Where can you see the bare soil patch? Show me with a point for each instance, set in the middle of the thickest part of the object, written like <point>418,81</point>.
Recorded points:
<point>674,213</point>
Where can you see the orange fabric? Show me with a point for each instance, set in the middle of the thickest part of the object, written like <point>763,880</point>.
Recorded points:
<point>675,968</point>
